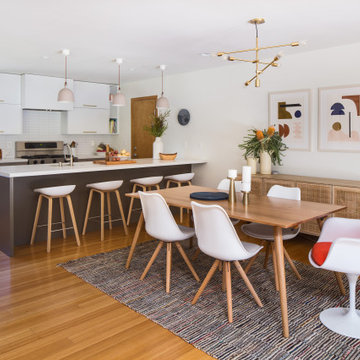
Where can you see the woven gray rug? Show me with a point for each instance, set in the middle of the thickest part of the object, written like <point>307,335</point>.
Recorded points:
<point>256,333</point>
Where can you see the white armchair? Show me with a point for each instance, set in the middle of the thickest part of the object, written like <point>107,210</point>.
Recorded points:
<point>342,238</point>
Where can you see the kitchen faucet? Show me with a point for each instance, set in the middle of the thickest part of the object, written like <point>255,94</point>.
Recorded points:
<point>71,154</point>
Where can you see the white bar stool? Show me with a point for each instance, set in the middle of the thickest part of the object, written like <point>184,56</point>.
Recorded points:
<point>51,193</point>
<point>179,179</point>
<point>145,184</point>
<point>102,188</point>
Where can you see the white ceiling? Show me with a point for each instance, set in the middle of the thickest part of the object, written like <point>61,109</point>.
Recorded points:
<point>148,33</point>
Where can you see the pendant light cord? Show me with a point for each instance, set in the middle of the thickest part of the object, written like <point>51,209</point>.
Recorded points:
<point>65,70</point>
<point>119,78</point>
<point>162,82</point>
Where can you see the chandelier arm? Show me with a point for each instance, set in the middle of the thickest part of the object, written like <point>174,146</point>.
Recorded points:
<point>250,61</point>
<point>254,49</point>
<point>277,46</point>
<point>261,71</point>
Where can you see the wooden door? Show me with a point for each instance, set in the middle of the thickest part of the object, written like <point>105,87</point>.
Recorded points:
<point>141,141</point>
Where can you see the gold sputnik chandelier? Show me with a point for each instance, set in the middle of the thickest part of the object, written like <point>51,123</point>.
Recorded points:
<point>258,63</point>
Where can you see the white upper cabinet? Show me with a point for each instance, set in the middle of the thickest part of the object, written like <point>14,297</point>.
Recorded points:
<point>91,95</point>
<point>10,119</point>
<point>41,92</point>
<point>10,89</point>
<point>86,121</point>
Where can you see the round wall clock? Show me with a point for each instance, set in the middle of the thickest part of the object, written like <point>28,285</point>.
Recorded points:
<point>183,117</point>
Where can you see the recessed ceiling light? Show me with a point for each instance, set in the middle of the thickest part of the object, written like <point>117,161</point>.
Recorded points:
<point>45,57</point>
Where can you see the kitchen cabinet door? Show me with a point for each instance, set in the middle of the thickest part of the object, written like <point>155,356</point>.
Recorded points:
<point>10,119</point>
<point>91,95</point>
<point>86,121</point>
<point>41,92</point>
<point>10,89</point>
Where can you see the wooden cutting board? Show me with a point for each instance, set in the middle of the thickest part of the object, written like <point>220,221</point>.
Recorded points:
<point>122,162</point>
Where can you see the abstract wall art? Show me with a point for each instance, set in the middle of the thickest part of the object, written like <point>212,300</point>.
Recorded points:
<point>289,112</point>
<point>339,118</point>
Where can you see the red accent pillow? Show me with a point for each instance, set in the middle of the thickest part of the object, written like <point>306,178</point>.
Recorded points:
<point>320,251</point>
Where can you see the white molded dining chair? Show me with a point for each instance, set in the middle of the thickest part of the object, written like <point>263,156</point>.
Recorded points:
<point>217,238</point>
<point>338,249</point>
<point>160,224</point>
<point>266,232</point>
<point>224,184</point>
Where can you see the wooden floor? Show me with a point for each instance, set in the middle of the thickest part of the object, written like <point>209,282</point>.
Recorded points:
<point>48,313</point>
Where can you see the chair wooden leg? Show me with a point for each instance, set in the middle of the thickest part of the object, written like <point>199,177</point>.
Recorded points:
<point>187,261</point>
<point>151,261</point>
<point>88,211</point>
<point>168,266</point>
<point>206,281</point>
<point>340,282</point>
<point>50,204</point>
<point>62,214</point>
<point>68,198</point>
<point>37,214</point>
<point>251,261</point>
<point>223,276</point>
<point>275,267</point>
<point>108,200</point>
<point>292,265</point>
<point>267,253</point>
<point>228,290</point>
<point>248,283</point>
<point>102,209</point>
<point>131,206</point>
<point>121,211</point>
<point>196,254</point>
<point>135,239</point>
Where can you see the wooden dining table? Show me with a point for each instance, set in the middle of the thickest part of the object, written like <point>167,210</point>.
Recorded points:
<point>276,212</point>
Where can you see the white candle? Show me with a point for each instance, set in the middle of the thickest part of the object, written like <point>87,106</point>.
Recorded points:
<point>246,178</point>
<point>232,173</point>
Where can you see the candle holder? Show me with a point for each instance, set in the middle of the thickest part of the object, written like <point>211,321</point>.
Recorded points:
<point>245,199</point>
<point>232,194</point>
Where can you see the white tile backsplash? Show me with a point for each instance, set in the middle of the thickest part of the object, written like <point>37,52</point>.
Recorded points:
<point>46,125</point>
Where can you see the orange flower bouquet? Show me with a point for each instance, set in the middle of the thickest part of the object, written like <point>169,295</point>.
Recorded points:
<point>267,140</point>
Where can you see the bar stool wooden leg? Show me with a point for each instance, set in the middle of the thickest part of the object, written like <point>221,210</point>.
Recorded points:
<point>38,208</point>
<point>131,206</point>
<point>62,213</point>
<point>109,208</point>
<point>228,290</point>
<point>88,211</point>
<point>121,211</point>
<point>68,198</point>
<point>50,203</point>
<point>157,186</point>
<point>168,184</point>
<point>168,266</point>
<point>102,206</point>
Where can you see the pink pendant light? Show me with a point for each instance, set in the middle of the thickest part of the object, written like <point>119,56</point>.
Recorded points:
<point>162,102</point>
<point>118,99</point>
<point>65,94</point>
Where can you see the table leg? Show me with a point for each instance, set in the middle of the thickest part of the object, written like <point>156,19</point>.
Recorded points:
<point>339,280</point>
<point>279,252</point>
<point>135,239</point>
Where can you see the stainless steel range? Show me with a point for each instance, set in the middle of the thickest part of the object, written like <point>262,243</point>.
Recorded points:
<point>36,152</point>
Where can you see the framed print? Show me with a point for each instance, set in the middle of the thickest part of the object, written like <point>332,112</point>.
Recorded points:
<point>339,118</point>
<point>289,112</point>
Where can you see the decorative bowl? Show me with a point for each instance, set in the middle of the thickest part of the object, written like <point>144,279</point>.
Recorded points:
<point>167,156</point>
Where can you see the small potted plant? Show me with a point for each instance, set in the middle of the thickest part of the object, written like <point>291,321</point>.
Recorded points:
<point>266,145</point>
<point>157,128</point>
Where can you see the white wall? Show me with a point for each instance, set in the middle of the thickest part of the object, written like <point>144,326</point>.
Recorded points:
<point>222,110</point>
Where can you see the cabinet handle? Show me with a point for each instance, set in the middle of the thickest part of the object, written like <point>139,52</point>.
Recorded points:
<point>89,132</point>
<point>89,105</point>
